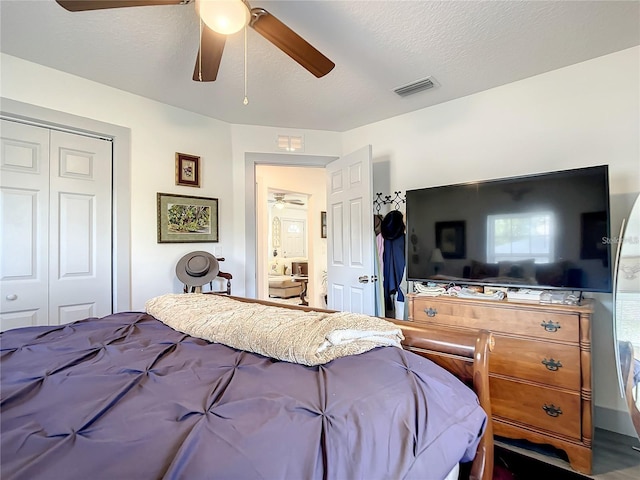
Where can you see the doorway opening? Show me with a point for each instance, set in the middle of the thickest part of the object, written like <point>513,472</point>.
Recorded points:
<point>253,208</point>
<point>291,255</point>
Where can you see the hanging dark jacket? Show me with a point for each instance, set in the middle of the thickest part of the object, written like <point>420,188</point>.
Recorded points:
<point>392,230</point>
<point>394,264</point>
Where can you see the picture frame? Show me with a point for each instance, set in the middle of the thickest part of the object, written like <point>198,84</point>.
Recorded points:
<point>187,170</point>
<point>187,219</point>
<point>451,239</point>
<point>323,224</point>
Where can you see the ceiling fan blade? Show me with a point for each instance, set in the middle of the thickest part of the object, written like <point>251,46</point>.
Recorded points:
<point>290,42</point>
<point>295,202</point>
<point>82,5</point>
<point>211,48</point>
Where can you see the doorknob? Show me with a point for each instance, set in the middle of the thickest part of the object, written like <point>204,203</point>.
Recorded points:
<point>363,279</point>
<point>12,296</point>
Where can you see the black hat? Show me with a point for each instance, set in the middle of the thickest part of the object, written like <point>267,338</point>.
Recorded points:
<point>392,225</point>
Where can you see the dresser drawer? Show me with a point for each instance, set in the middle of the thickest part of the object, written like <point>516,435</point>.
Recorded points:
<point>499,317</point>
<point>539,407</point>
<point>548,363</point>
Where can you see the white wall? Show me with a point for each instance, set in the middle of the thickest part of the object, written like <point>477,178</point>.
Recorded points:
<point>585,114</point>
<point>158,131</point>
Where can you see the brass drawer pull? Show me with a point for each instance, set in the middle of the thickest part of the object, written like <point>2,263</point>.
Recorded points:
<point>552,410</point>
<point>550,326</point>
<point>431,312</point>
<point>552,364</point>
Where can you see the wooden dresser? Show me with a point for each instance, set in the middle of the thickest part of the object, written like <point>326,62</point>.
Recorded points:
<point>540,369</point>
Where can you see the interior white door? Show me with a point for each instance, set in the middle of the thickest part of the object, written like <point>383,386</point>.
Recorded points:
<point>55,226</point>
<point>294,237</point>
<point>24,225</point>
<point>80,231</point>
<point>350,246</point>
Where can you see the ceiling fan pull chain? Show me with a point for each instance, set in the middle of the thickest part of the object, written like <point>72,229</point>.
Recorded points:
<point>200,49</point>
<point>246,99</point>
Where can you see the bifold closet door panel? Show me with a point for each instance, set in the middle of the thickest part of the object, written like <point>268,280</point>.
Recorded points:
<point>24,225</point>
<point>80,237</point>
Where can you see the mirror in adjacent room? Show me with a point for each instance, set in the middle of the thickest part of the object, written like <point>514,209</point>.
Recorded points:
<point>275,235</point>
<point>627,313</point>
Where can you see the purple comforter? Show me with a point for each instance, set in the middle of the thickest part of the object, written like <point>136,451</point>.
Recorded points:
<point>126,397</point>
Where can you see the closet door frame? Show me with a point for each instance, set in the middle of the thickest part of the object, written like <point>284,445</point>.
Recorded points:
<point>121,194</point>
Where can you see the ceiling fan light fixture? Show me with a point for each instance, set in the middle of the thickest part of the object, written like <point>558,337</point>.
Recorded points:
<point>224,16</point>
<point>279,204</point>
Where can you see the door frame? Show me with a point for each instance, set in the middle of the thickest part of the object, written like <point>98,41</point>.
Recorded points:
<point>251,159</point>
<point>120,187</point>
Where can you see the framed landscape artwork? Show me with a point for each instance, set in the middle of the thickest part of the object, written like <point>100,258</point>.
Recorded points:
<point>185,219</point>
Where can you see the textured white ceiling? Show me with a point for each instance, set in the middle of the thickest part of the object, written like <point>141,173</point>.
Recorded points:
<point>467,46</point>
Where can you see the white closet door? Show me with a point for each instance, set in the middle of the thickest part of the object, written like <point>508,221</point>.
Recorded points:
<point>24,225</point>
<point>80,230</point>
<point>55,226</point>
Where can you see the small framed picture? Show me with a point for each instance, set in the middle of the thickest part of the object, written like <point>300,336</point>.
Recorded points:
<point>187,170</point>
<point>323,224</point>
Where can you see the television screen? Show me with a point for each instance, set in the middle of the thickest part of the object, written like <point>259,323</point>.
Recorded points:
<point>546,231</point>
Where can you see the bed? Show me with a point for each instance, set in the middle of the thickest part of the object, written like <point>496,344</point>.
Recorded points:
<point>129,397</point>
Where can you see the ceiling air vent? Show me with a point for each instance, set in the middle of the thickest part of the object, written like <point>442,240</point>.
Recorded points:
<point>415,87</point>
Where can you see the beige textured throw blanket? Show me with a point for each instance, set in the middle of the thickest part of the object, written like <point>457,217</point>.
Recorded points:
<point>309,338</point>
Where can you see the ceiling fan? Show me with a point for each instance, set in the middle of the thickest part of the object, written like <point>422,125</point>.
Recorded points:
<point>279,201</point>
<point>219,19</point>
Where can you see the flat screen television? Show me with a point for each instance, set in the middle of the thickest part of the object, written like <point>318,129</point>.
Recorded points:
<point>543,231</point>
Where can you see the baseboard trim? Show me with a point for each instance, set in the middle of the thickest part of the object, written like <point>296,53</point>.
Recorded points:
<point>614,420</point>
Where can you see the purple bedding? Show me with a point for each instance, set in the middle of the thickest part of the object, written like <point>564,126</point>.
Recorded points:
<point>126,397</point>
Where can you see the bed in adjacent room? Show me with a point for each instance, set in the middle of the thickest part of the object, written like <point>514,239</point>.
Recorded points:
<point>133,395</point>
